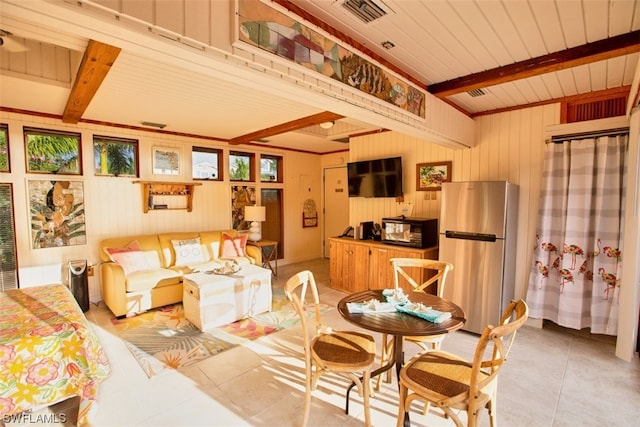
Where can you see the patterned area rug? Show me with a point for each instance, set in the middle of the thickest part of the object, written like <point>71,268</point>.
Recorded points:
<point>163,339</point>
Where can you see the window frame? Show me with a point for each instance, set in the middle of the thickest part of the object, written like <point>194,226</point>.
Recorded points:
<point>29,131</point>
<point>4,129</point>
<point>219,162</point>
<point>122,141</point>
<point>11,282</point>
<point>279,167</point>
<point>252,166</point>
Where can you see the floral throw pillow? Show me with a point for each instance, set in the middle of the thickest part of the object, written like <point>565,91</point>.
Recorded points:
<point>233,247</point>
<point>188,251</point>
<point>130,258</point>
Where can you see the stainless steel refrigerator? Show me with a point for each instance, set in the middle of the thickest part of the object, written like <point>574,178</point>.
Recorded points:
<point>478,225</point>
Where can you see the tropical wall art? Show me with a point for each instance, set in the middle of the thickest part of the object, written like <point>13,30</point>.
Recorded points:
<point>241,196</point>
<point>115,156</point>
<point>166,161</point>
<point>57,213</point>
<point>50,151</point>
<point>430,176</point>
<point>270,30</point>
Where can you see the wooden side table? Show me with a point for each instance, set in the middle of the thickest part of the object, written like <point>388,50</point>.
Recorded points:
<point>269,250</point>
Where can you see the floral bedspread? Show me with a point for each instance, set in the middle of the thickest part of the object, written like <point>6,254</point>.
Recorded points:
<point>48,351</point>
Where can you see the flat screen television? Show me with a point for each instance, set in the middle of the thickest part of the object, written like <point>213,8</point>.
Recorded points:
<point>375,178</point>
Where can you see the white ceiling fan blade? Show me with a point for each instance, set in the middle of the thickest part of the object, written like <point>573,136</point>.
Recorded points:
<point>12,45</point>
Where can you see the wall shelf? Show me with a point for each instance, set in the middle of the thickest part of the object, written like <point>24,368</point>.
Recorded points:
<point>164,189</point>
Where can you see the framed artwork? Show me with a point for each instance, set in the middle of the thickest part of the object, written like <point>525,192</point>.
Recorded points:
<point>57,213</point>
<point>166,161</point>
<point>5,164</point>
<point>430,176</point>
<point>115,156</point>
<point>309,214</point>
<point>263,27</point>
<point>54,152</point>
<point>241,196</point>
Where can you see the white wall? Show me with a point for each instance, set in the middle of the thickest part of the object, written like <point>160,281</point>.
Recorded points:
<point>113,206</point>
<point>509,146</point>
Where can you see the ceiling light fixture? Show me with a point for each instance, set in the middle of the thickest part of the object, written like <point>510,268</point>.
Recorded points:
<point>155,125</point>
<point>327,125</point>
<point>387,44</point>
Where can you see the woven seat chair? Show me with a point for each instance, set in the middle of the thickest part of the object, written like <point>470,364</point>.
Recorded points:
<point>350,354</point>
<point>400,267</point>
<point>450,382</point>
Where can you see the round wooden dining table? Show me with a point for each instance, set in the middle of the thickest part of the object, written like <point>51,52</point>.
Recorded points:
<point>400,324</point>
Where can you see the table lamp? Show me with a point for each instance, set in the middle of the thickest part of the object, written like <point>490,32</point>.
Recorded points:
<point>255,214</point>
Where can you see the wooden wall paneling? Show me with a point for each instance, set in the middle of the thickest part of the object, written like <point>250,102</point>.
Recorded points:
<point>513,141</point>
<point>197,20</point>
<point>34,60</point>
<point>17,62</point>
<point>110,4</point>
<point>48,57</point>
<point>504,147</point>
<point>138,9</point>
<point>170,15</point>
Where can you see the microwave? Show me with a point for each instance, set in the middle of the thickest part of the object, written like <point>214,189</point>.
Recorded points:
<point>410,231</point>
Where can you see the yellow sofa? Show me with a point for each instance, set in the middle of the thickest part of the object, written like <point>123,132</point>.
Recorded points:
<point>154,279</point>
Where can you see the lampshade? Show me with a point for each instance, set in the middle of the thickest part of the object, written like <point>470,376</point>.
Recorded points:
<point>327,125</point>
<point>255,213</point>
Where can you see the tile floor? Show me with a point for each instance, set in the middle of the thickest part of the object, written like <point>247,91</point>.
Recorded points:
<point>553,378</point>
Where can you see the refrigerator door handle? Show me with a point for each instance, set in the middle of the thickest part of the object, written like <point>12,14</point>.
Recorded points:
<point>470,236</point>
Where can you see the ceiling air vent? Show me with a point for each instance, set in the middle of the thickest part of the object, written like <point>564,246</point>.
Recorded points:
<point>477,92</point>
<point>366,10</point>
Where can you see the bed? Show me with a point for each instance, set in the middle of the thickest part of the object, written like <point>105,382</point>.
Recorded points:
<point>48,351</point>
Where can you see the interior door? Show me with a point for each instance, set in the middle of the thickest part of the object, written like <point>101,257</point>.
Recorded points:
<point>272,227</point>
<point>336,204</point>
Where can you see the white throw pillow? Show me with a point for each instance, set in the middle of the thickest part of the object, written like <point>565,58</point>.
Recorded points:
<point>188,252</point>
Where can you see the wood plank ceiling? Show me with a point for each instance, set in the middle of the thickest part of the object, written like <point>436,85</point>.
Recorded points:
<point>514,52</point>
<point>481,56</point>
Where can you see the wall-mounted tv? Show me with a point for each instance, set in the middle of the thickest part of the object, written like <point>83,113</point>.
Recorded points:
<point>375,178</point>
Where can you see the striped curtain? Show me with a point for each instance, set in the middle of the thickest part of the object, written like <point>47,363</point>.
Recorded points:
<point>577,261</point>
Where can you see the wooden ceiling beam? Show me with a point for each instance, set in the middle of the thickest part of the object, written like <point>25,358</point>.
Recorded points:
<point>96,63</point>
<point>600,50</point>
<point>316,119</point>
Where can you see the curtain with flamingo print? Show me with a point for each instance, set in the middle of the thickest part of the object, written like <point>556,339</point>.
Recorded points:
<point>574,279</point>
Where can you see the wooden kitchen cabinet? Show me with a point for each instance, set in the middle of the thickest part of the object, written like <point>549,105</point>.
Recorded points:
<point>348,265</point>
<point>358,265</point>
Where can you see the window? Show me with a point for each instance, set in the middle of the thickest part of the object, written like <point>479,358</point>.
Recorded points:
<point>5,164</point>
<point>115,156</point>
<point>8,264</point>
<point>50,151</point>
<point>206,163</point>
<point>273,226</point>
<point>270,168</point>
<point>241,166</point>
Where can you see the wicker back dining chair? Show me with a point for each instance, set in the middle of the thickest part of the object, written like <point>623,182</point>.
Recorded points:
<point>401,273</point>
<point>450,382</point>
<point>348,353</point>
